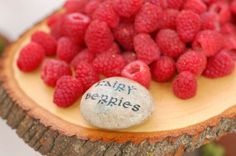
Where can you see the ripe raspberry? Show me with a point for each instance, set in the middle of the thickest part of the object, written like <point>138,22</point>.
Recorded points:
<point>230,42</point>
<point>146,48</point>
<point>197,6</point>
<point>222,9</point>
<point>109,64</point>
<point>53,19</point>
<point>91,7</point>
<point>164,69</point>
<point>86,74</point>
<point>66,49</point>
<point>188,24</point>
<point>98,36</point>
<point>124,34</point>
<point>192,61</point>
<point>84,55</point>
<point>127,8</point>
<point>114,49</point>
<point>219,65</point>
<point>174,4</point>
<point>67,92</point>
<point>30,57</point>
<point>75,25</point>
<point>160,3</point>
<point>72,6</point>
<point>233,7</point>
<point>57,29</point>
<point>106,13</point>
<point>53,70</point>
<point>185,85</point>
<point>46,41</point>
<point>208,41</point>
<point>170,43</point>
<point>168,19</point>
<point>210,20</point>
<point>139,72</point>
<point>129,56</point>
<point>147,19</point>
<point>228,29</point>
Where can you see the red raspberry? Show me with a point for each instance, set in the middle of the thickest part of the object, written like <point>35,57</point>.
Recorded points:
<point>75,5</point>
<point>114,49</point>
<point>168,19</point>
<point>230,42</point>
<point>124,34</point>
<point>222,9</point>
<point>146,48</point>
<point>164,69</point>
<point>170,43</point>
<point>109,64</point>
<point>188,24</point>
<point>127,8</point>
<point>106,13</point>
<point>219,65</point>
<point>174,4</point>
<point>192,61</point>
<point>228,29</point>
<point>56,28</point>
<point>30,57</point>
<point>208,41</point>
<point>53,19</point>
<point>75,25</point>
<point>53,70</point>
<point>197,6</point>
<point>129,56</point>
<point>66,49</point>
<point>67,92</point>
<point>210,20</point>
<point>98,36</point>
<point>233,7</point>
<point>84,55</point>
<point>91,7</point>
<point>46,41</point>
<point>86,74</point>
<point>147,19</point>
<point>139,72</point>
<point>185,85</point>
<point>232,54</point>
<point>160,3</point>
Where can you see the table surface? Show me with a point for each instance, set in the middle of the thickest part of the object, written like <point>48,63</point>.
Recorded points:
<point>15,17</point>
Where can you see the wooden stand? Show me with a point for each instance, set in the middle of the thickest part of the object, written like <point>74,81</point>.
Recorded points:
<point>51,132</point>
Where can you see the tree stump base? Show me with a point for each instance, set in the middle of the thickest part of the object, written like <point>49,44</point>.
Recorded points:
<point>26,105</point>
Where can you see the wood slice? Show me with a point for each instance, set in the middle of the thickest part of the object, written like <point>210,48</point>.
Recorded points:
<point>175,126</point>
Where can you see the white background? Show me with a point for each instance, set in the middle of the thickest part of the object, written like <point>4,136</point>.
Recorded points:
<point>15,17</point>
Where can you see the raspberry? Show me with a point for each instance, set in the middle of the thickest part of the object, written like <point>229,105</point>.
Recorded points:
<point>185,85</point>
<point>75,25</point>
<point>170,43</point>
<point>160,3</point>
<point>86,74</point>
<point>66,49</point>
<point>222,9</point>
<point>106,13</point>
<point>75,5</point>
<point>219,65</point>
<point>139,72</point>
<point>188,25</point>
<point>210,20</point>
<point>67,92</point>
<point>98,36</point>
<point>124,34</point>
<point>56,28</point>
<point>168,19</point>
<point>164,69</point>
<point>46,41</point>
<point>230,42</point>
<point>196,6</point>
<point>84,55</point>
<point>91,7</point>
<point>30,57</point>
<point>109,64</point>
<point>192,61</point>
<point>208,41</point>
<point>146,48</point>
<point>129,57</point>
<point>127,8</point>
<point>147,19</point>
<point>53,70</point>
<point>228,29</point>
<point>114,49</point>
<point>53,19</point>
<point>174,4</point>
<point>233,7</point>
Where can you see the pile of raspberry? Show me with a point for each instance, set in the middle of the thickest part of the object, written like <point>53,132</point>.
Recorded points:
<point>142,40</point>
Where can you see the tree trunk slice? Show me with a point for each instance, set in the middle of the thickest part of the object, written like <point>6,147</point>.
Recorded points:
<point>53,131</point>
